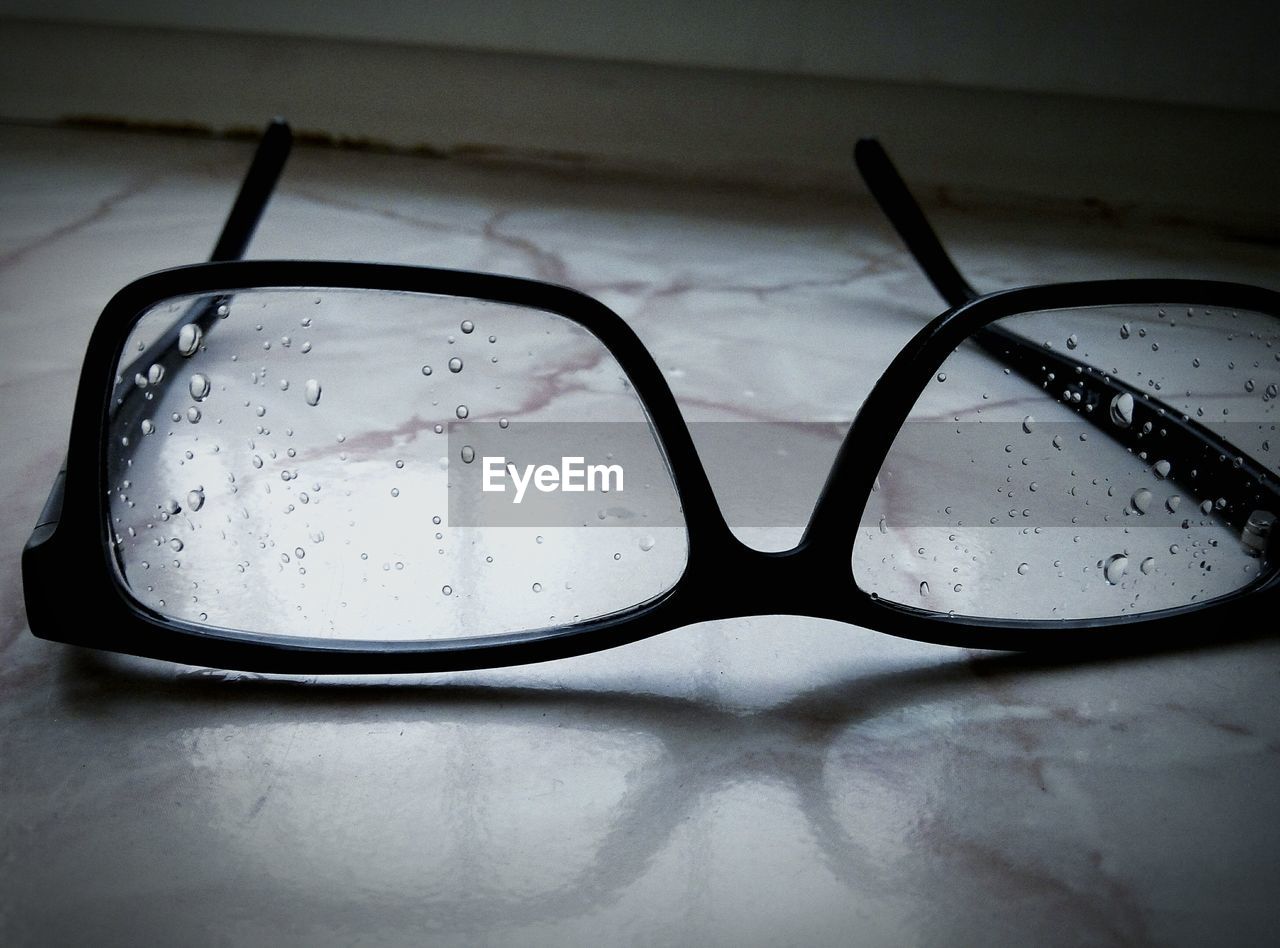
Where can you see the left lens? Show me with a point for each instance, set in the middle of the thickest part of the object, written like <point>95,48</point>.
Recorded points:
<point>1080,464</point>
<point>280,461</point>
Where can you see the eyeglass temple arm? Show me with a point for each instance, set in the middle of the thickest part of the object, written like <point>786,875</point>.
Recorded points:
<point>904,213</point>
<point>237,230</point>
<point>255,191</point>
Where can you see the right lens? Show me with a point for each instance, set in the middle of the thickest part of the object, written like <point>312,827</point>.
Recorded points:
<point>288,462</point>
<point>1056,467</point>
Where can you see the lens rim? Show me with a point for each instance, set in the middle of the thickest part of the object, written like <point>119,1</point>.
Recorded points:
<point>882,415</point>
<point>77,543</point>
<point>1224,470</point>
<point>67,574</point>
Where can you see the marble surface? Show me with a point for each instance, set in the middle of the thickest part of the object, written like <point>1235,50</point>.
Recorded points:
<point>768,780</point>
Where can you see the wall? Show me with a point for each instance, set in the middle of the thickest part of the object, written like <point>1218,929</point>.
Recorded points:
<point>1182,51</point>
<point>1082,100</point>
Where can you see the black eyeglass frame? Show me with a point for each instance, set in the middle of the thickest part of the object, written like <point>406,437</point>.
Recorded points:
<point>68,575</point>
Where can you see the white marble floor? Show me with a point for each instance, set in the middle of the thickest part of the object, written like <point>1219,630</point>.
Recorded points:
<point>761,781</point>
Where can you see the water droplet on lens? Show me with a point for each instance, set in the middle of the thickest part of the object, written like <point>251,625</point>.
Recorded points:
<point>883,526</point>
<point>176,545</point>
<point>257,461</point>
<point>195,499</point>
<point>468,326</point>
<point>147,426</point>
<point>1161,469</point>
<point>1057,442</point>
<point>647,543</point>
<point>537,587</point>
<point>395,492</point>
<point>447,590</point>
<point>455,364</point>
<point>924,588</point>
<point>312,392</point>
<point>1027,424</point>
<point>1115,568</point>
<point>942,376</point>
<point>1207,507</point>
<point>503,423</point>
<point>155,374</point>
<point>1172,503</point>
<point>1122,410</point>
<point>1124,330</point>
<point>1072,341</point>
<point>1023,569</point>
<point>426,370</point>
<point>1141,500</point>
<point>468,454</point>
<point>462,411</point>
<point>189,337</point>
<point>199,386</point>
<point>1148,565</point>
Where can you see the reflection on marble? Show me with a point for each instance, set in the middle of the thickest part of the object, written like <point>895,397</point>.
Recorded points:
<point>754,781</point>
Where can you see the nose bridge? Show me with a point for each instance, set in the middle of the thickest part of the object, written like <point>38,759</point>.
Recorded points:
<point>733,579</point>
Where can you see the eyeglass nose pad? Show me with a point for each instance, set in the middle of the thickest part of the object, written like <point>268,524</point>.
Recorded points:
<point>1259,534</point>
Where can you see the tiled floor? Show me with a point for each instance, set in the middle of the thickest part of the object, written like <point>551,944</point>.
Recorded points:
<point>751,781</point>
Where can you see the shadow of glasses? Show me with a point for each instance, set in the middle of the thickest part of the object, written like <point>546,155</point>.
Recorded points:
<point>703,746</point>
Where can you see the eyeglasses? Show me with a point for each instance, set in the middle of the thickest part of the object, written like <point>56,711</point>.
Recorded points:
<point>319,467</point>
